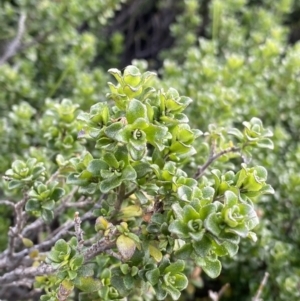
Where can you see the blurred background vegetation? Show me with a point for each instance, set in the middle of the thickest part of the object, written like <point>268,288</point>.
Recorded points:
<point>236,59</point>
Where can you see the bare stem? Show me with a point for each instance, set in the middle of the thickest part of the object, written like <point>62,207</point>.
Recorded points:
<point>97,248</point>
<point>13,46</point>
<point>28,272</point>
<point>78,231</point>
<point>214,156</point>
<point>40,222</point>
<point>7,203</point>
<point>14,232</point>
<point>261,286</point>
<point>214,296</point>
<point>114,254</point>
<point>44,269</point>
<point>120,199</point>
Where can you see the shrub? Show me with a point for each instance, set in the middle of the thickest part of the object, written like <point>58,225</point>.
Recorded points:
<point>124,162</point>
<point>109,196</point>
<point>246,68</point>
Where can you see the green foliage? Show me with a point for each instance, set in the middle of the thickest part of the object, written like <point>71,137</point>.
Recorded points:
<point>135,149</point>
<point>164,183</point>
<point>42,199</point>
<point>246,68</point>
<point>24,173</point>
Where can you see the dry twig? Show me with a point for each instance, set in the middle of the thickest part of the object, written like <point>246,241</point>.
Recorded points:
<point>216,296</point>
<point>261,287</point>
<point>214,156</point>
<point>13,47</point>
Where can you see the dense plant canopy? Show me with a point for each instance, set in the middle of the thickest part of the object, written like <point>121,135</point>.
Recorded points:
<point>125,185</point>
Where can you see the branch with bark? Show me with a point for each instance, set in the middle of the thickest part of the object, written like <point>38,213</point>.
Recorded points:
<point>213,157</point>
<point>18,264</point>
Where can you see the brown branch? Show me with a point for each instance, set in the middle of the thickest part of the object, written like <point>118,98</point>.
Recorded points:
<point>201,169</point>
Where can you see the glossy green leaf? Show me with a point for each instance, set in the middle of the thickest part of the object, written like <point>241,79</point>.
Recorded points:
<point>62,246</point>
<point>111,160</point>
<point>189,213</point>
<point>153,276</point>
<point>175,267</point>
<point>32,205</point>
<point>203,247</point>
<point>211,268</point>
<point>73,179</point>
<point>128,173</point>
<point>179,228</point>
<point>110,183</point>
<point>95,166</point>
<point>57,193</point>
<point>172,291</point>
<point>76,262</point>
<point>14,184</point>
<point>112,131</point>
<point>47,215</point>
<point>184,252</point>
<point>135,110</point>
<point>212,224</point>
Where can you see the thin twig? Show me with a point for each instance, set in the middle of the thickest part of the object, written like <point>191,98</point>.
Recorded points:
<point>53,177</point>
<point>118,204</point>
<point>78,231</point>
<point>114,254</point>
<point>79,204</point>
<point>6,258</point>
<point>13,46</point>
<point>40,222</point>
<point>129,193</point>
<point>50,242</point>
<point>214,296</point>
<point>14,232</point>
<point>44,269</point>
<point>261,286</point>
<point>63,230</point>
<point>201,170</point>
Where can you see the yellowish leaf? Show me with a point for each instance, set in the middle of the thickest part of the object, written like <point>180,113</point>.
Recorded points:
<point>126,246</point>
